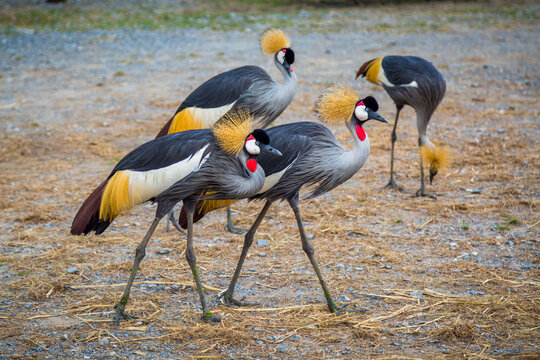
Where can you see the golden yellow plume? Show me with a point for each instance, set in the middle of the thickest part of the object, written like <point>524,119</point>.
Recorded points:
<point>273,40</point>
<point>232,130</point>
<point>436,157</point>
<point>336,104</point>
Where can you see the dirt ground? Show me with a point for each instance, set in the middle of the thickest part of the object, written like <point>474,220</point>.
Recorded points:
<point>452,277</point>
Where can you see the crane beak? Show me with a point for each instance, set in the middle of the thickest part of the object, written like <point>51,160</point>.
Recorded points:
<point>269,149</point>
<point>373,115</point>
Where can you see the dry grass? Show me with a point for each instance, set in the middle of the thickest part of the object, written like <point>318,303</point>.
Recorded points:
<point>476,268</point>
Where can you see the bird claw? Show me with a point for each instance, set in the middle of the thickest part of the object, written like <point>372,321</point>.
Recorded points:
<point>422,192</point>
<point>120,313</point>
<point>392,184</point>
<point>235,229</point>
<point>227,300</point>
<point>209,318</point>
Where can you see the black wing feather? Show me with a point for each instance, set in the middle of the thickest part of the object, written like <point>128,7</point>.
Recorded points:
<point>402,70</point>
<point>165,150</point>
<point>224,88</point>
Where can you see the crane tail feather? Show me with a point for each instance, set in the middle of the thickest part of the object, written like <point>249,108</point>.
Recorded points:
<point>87,218</point>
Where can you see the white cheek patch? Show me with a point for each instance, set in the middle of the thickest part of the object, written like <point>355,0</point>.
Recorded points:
<point>281,57</point>
<point>361,113</point>
<point>252,148</point>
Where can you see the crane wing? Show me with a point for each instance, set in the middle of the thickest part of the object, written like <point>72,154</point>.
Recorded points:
<point>211,100</point>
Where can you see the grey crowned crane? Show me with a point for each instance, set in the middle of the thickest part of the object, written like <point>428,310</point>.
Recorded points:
<point>245,87</point>
<point>312,156</point>
<point>178,167</point>
<point>413,81</point>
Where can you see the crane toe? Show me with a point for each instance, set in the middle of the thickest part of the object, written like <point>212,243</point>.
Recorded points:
<point>392,184</point>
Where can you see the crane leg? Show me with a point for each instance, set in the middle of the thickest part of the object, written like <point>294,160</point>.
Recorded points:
<point>422,190</point>
<point>207,316</point>
<point>308,249</point>
<point>227,295</point>
<point>230,227</point>
<point>391,183</point>
<point>172,220</point>
<point>139,255</point>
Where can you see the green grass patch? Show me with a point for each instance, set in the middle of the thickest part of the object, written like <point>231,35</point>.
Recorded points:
<point>464,226</point>
<point>502,227</point>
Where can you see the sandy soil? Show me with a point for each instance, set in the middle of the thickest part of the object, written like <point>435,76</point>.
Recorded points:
<point>455,276</point>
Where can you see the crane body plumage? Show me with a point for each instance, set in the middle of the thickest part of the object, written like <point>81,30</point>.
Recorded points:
<point>220,163</point>
<point>248,87</point>
<point>413,81</point>
<point>311,157</point>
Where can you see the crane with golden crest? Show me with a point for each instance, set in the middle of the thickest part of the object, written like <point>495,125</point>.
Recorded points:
<point>221,162</point>
<point>311,157</point>
<point>413,81</point>
<point>249,87</point>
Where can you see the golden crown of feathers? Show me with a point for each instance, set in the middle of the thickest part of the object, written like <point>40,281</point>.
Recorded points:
<point>232,130</point>
<point>436,156</point>
<point>336,104</point>
<point>273,40</point>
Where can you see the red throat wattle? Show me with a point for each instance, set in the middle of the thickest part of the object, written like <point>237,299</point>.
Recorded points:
<point>251,165</point>
<point>360,132</point>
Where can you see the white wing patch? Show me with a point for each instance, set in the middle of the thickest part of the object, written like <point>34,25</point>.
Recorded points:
<point>144,185</point>
<point>209,116</point>
<point>384,80</point>
<point>271,180</point>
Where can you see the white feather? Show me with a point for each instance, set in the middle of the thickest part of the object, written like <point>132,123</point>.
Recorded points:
<point>144,185</point>
<point>209,116</point>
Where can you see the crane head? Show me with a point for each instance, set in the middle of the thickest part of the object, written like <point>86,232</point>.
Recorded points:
<point>259,141</point>
<point>366,109</point>
<point>436,157</point>
<point>286,58</point>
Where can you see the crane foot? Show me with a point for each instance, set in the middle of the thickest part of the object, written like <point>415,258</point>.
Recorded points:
<point>234,229</point>
<point>121,314</point>
<point>228,300</point>
<point>392,184</point>
<point>209,318</point>
<point>424,193</point>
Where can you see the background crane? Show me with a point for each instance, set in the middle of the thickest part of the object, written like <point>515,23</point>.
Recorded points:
<point>413,81</point>
<point>312,156</point>
<point>173,168</point>
<point>248,87</point>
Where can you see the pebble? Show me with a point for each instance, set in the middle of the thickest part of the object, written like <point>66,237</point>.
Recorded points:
<point>72,270</point>
<point>191,347</point>
<point>262,254</point>
<point>163,251</point>
<point>261,242</point>
<point>416,293</point>
<point>29,306</point>
<point>309,236</point>
<point>136,223</point>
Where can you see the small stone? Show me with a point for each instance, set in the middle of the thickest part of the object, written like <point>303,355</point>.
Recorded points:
<point>191,347</point>
<point>416,293</point>
<point>344,298</point>
<point>261,242</point>
<point>72,270</point>
<point>260,342</point>
<point>309,236</point>
<point>163,251</point>
<point>387,266</point>
<point>262,254</point>
<point>65,336</point>
<point>103,341</point>
<point>136,223</point>
<point>509,243</point>
<point>29,306</point>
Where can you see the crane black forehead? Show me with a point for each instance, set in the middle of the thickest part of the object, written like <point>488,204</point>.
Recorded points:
<point>371,103</point>
<point>261,136</point>
<point>289,56</point>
